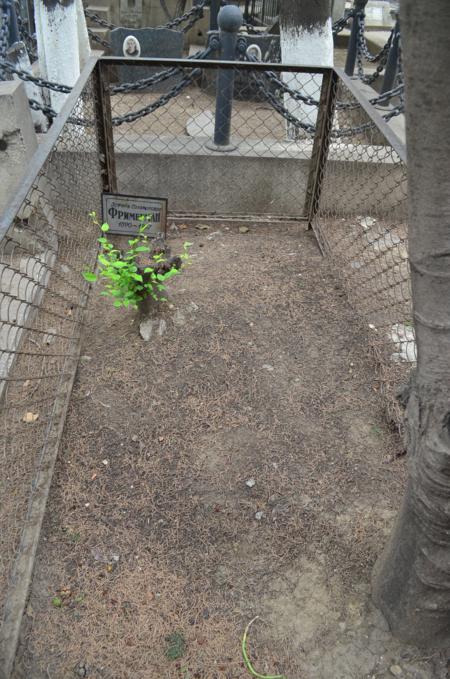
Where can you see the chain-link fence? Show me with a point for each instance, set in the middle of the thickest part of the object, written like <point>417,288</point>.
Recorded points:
<point>47,240</point>
<point>361,224</point>
<point>286,143</point>
<point>170,140</point>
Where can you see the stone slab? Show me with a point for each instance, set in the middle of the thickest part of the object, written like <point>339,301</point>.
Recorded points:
<point>154,42</point>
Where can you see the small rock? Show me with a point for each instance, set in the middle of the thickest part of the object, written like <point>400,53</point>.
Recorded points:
<point>244,229</point>
<point>396,670</point>
<point>342,626</point>
<point>201,227</point>
<point>134,438</point>
<point>50,338</point>
<point>86,358</point>
<point>105,462</point>
<point>82,670</point>
<point>179,318</point>
<point>192,306</point>
<point>268,367</point>
<point>250,483</point>
<point>173,228</point>
<point>146,329</point>
<point>65,268</point>
<point>162,327</point>
<point>367,222</point>
<point>259,516</point>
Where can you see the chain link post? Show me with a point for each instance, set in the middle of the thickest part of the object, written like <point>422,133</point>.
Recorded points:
<point>104,127</point>
<point>213,14</point>
<point>230,20</point>
<point>392,61</point>
<point>353,41</point>
<point>14,33</point>
<point>321,144</point>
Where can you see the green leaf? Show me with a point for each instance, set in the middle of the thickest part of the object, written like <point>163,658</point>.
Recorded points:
<point>57,602</point>
<point>89,276</point>
<point>142,248</point>
<point>117,303</point>
<point>105,227</point>
<point>176,647</point>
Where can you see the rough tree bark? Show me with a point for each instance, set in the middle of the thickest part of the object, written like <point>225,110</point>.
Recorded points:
<point>306,38</point>
<point>63,43</point>
<point>412,578</point>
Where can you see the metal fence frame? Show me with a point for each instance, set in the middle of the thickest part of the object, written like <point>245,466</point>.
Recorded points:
<point>329,77</point>
<point>21,575</point>
<point>97,67</point>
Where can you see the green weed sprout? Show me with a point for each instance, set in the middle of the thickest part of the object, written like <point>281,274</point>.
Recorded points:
<point>247,662</point>
<point>126,282</point>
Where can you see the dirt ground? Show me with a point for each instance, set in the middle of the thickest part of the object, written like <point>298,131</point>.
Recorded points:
<point>237,465</point>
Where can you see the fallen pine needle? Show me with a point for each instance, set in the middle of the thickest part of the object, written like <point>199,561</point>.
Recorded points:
<point>247,662</point>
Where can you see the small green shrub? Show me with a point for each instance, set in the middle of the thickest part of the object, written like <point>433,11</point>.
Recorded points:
<point>127,282</point>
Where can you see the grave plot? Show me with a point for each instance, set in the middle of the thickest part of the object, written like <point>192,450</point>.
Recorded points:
<point>236,464</point>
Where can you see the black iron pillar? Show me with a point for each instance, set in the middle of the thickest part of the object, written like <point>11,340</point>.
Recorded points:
<point>213,12</point>
<point>352,49</point>
<point>230,20</point>
<point>392,61</point>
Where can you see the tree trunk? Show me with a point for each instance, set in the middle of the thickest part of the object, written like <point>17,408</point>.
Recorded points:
<point>63,43</point>
<point>306,39</point>
<point>412,578</point>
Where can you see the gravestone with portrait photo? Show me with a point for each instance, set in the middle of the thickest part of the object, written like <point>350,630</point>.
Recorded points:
<point>146,42</point>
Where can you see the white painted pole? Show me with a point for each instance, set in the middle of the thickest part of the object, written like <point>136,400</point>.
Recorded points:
<point>62,42</point>
<point>310,45</point>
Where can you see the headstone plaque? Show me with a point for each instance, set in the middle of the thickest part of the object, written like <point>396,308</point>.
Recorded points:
<point>122,214</point>
<point>153,42</point>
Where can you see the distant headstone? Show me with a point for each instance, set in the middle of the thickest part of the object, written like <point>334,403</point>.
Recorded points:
<point>378,14</point>
<point>148,42</point>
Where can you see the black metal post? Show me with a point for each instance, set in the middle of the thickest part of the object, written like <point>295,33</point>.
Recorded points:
<point>321,144</point>
<point>230,20</point>
<point>246,10</point>
<point>392,61</point>
<point>14,35</point>
<point>359,6</point>
<point>105,130</point>
<point>213,13</point>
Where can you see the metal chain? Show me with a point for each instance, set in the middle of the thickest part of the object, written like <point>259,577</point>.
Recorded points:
<point>192,21</point>
<point>144,83</point>
<point>40,82</point>
<point>96,38</point>
<point>197,11</point>
<point>342,23</point>
<point>28,39</point>
<point>4,27</point>
<point>310,101</point>
<point>158,77</point>
<point>50,113</point>
<point>368,79</point>
<point>98,20</point>
<point>311,129</point>
<point>278,106</point>
<point>162,101</point>
<point>363,43</point>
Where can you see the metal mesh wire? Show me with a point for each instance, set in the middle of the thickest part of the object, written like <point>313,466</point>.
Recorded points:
<point>46,246</point>
<point>361,224</point>
<point>169,153</point>
<point>356,195</point>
